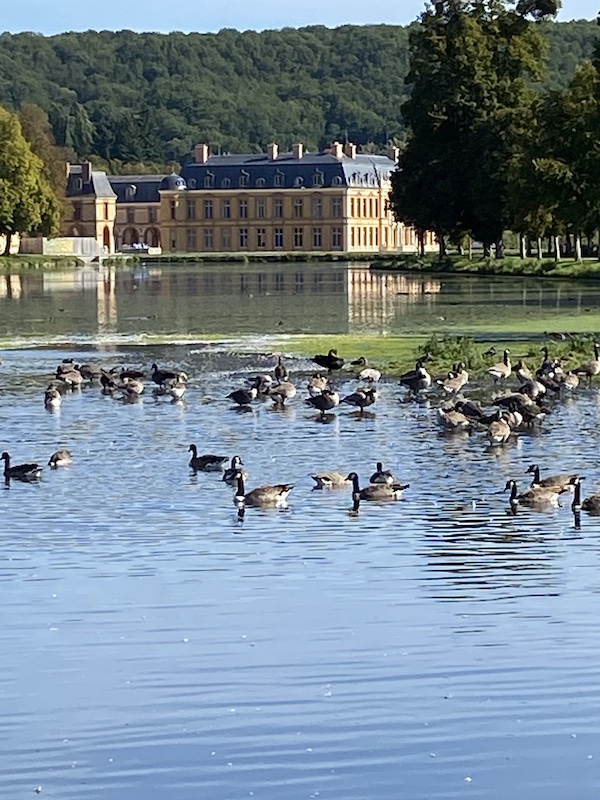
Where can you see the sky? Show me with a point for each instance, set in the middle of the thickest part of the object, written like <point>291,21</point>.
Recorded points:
<point>56,16</point>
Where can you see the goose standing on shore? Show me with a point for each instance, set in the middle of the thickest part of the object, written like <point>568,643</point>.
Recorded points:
<point>502,370</point>
<point>590,368</point>
<point>330,362</point>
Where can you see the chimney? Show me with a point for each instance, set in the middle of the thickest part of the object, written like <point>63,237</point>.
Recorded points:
<point>350,150</point>
<point>272,151</point>
<point>201,153</point>
<point>393,153</point>
<point>337,150</point>
<point>86,172</point>
<point>297,150</point>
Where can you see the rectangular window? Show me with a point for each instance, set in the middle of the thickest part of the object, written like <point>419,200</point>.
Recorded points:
<point>243,209</point>
<point>317,207</point>
<point>298,207</point>
<point>261,237</point>
<point>317,238</point>
<point>173,208</point>
<point>209,239</point>
<point>208,209</point>
<point>376,237</point>
<point>278,208</point>
<point>298,237</point>
<point>377,208</point>
<point>336,238</point>
<point>278,238</point>
<point>152,215</point>
<point>191,209</point>
<point>105,210</point>
<point>371,207</point>
<point>191,240</point>
<point>173,239</point>
<point>371,236</point>
<point>364,204</point>
<point>131,215</point>
<point>260,209</point>
<point>243,237</point>
<point>226,240</point>
<point>336,206</point>
<point>226,209</point>
<point>352,207</point>
<point>352,236</point>
<point>77,211</point>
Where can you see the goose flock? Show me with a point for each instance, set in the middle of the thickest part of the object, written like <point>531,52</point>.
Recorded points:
<point>520,399</point>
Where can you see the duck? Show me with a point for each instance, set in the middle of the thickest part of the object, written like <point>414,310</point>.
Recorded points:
<point>206,463</point>
<point>275,495</point>
<point>316,384</point>
<point>231,473</point>
<point>52,398</point>
<point>368,374</point>
<point>382,475</point>
<point>535,496</point>
<point>502,370</point>
<point>376,491</point>
<point>326,401</point>
<point>362,398</point>
<point>281,371</point>
<point>329,480</point>
<point>562,482</point>
<point>281,392</point>
<point>591,368</point>
<point>61,458</point>
<point>330,362</point>
<point>20,472</point>
<point>160,376</point>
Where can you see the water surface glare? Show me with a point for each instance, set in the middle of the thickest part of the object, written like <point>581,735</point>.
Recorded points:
<point>154,646</point>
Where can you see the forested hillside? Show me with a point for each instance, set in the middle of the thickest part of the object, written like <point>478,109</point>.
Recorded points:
<point>150,97</point>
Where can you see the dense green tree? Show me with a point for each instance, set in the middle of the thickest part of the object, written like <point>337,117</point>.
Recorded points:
<point>27,203</point>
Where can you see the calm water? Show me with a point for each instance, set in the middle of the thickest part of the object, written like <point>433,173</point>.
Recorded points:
<point>153,646</point>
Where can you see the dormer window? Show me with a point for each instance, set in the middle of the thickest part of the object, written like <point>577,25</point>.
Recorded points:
<point>225,183</point>
<point>336,181</point>
<point>192,183</point>
<point>298,181</point>
<point>209,180</point>
<point>279,178</point>
<point>130,192</point>
<point>260,183</point>
<point>318,178</point>
<point>78,184</point>
<point>244,178</point>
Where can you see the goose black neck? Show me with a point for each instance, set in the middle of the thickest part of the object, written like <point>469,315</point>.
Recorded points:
<point>241,489</point>
<point>576,504</point>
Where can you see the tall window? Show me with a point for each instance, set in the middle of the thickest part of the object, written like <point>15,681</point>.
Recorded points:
<point>226,240</point>
<point>352,207</point>
<point>364,206</point>
<point>173,208</point>
<point>208,209</point>
<point>317,238</point>
<point>209,239</point>
<point>371,207</point>
<point>131,215</point>
<point>377,208</point>
<point>77,211</point>
<point>317,207</point>
<point>105,210</point>
<point>260,209</point>
<point>243,209</point>
<point>278,208</point>
<point>279,178</point>
<point>226,209</point>
<point>336,238</point>
<point>352,237</point>
<point>261,237</point>
<point>244,178</point>
<point>173,238</point>
<point>278,238</point>
<point>191,209</point>
<point>298,237</point>
<point>336,206</point>
<point>243,237</point>
<point>152,216</point>
<point>298,207</point>
<point>191,239</point>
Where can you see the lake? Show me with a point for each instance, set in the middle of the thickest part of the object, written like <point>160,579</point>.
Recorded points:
<point>155,646</point>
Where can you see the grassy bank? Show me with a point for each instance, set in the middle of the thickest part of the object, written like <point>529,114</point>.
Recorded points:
<point>29,262</point>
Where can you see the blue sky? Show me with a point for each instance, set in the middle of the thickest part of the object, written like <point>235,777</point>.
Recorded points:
<point>55,16</point>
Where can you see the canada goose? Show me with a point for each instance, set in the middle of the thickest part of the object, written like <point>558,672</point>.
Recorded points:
<point>470,409</point>
<point>244,397</point>
<point>61,458</point>
<point>591,368</point>
<point>72,378</point>
<point>562,482</point>
<point>569,381</point>
<point>418,379</point>
<point>281,372</point>
<point>523,372</point>
<point>231,473</point>
<point>282,391</point>
<point>499,430</point>
<point>382,475</point>
<point>591,504</point>
<point>325,401</point>
<point>275,495</point>
<point>368,373</point>
<point>177,387</point>
<point>20,472</point>
<point>52,398</point>
<point>316,384</point>
<point>136,374</point>
<point>331,361</point>
<point>107,379</point>
<point>376,491</point>
<point>88,372</point>
<point>502,370</point>
<point>454,382</point>
<point>132,386</point>
<point>206,463</point>
<point>536,496</point>
<point>490,352</point>
<point>547,365</point>
<point>329,480</point>
<point>453,421</point>
<point>362,398</point>
<point>160,376</point>
<point>513,417</point>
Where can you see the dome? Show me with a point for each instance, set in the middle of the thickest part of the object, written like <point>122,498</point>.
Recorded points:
<point>172,182</point>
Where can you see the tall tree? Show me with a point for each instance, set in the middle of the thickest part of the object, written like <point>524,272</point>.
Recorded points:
<point>27,202</point>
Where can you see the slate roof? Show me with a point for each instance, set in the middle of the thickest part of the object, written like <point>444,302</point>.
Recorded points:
<point>97,186</point>
<point>312,170</point>
<point>145,188</point>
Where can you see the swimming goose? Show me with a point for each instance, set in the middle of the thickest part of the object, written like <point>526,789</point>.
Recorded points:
<point>206,463</point>
<point>382,475</point>
<point>160,376</point>
<point>536,496</point>
<point>316,384</point>
<point>591,368</point>
<point>502,370</point>
<point>562,482</point>
<point>368,373</point>
<point>376,491</point>
<point>329,480</point>
<point>88,371</point>
<point>362,398</point>
<point>453,421</point>
<point>275,495</point>
<point>281,392</point>
<point>52,398</point>
<point>331,361</point>
<point>231,473</point>
<point>72,377</point>
<point>61,458</point>
<point>324,402</point>
<point>499,430</point>
<point>20,472</point>
<point>591,504</point>
<point>281,372</point>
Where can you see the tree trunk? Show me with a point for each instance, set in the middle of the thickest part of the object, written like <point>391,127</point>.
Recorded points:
<point>539,248</point>
<point>499,249</point>
<point>442,245</point>
<point>578,247</point>
<point>557,248</point>
<point>421,244</point>
<point>470,249</point>
<point>522,247</point>
<point>7,246</point>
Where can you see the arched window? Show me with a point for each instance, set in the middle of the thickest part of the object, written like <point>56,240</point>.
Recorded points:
<point>130,192</point>
<point>244,178</point>
<point>298,181</point>
<point>318,178</point>
<point>336,181</point>
<point>209,180</point>
<point>260,182</point>
<point>279,178</point>
<point>192,183</point>
<point>226,183</point>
